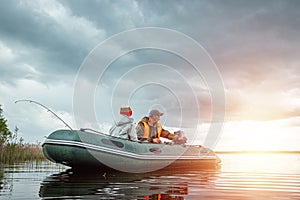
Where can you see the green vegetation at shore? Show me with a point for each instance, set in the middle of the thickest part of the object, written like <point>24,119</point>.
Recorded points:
<point>11,153</point>
<point>12,148</point>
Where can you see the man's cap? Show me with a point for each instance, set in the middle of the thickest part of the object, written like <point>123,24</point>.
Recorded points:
<point>155,112</point>
<point>126,110</point>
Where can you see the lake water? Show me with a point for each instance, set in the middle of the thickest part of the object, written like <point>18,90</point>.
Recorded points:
<point>241,176</point>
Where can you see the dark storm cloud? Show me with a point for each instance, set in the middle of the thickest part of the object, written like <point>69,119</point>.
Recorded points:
<point>113,16</point>
<point>232,31</point>
<point>49,38</point>
<point>255,45</point>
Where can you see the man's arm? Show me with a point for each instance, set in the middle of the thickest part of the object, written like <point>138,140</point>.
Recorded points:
<point>140,130</point>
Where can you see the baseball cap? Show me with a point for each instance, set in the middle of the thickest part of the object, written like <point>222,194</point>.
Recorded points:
<point>155,112</point>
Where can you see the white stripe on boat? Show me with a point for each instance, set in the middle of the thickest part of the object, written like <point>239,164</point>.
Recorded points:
<point>127,154</point>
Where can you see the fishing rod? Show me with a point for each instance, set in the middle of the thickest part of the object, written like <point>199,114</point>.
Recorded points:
<point>48,110</point>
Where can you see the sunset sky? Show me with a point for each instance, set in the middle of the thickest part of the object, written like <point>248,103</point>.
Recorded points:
<point>254,46</point>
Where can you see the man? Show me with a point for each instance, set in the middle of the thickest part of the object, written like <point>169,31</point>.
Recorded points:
<point>124,128</point>
<point>149,129</point>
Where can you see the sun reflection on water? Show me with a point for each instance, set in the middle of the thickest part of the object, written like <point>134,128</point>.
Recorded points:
<point>261,162</point>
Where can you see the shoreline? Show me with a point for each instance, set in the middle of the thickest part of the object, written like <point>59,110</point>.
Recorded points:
<point>11,153</point>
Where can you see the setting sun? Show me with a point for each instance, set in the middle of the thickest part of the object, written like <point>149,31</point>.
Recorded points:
<point>272,135</point>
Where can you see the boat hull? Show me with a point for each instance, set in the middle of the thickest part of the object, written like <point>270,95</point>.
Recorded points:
<point>79,149</point>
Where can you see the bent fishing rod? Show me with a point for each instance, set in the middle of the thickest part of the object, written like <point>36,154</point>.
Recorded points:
<point>45,107</point>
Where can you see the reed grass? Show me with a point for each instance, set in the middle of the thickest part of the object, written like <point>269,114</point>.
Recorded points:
<point>19,152</point>
<point>13,149</point>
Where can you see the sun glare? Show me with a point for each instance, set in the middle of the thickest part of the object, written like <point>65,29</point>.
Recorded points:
<point>258,136</point>
<point>254,136</point>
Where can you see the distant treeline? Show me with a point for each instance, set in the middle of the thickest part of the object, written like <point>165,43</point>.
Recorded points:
<point>12,148</point>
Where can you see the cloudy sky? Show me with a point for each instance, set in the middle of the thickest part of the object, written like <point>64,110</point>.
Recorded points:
<point>44,45</point>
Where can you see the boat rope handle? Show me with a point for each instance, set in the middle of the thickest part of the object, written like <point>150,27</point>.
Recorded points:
<point>48,110</point>
<point>89,129</point>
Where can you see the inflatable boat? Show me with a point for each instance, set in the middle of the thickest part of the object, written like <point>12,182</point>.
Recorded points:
<point>86,148</point>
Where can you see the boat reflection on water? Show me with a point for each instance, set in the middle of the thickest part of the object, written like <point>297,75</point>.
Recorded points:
<point>83,184</point>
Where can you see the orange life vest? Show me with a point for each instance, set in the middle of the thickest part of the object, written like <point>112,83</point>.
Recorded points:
<point>147,130</point>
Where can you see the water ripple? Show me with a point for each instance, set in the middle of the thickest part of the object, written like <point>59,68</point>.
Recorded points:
<point>51,182</point>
